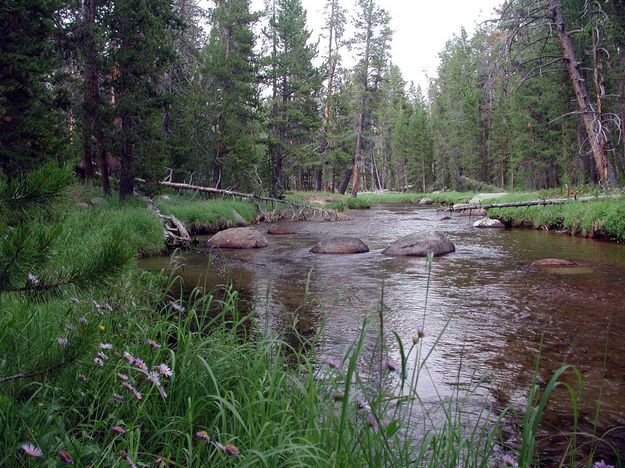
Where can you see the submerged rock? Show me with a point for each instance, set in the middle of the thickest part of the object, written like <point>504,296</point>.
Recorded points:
<point>420,244</point>
<point>340,245</point>
<point>238,238</point>
<point>281,230</point>
<point>552,263</point>
<point>488,223</point>
<point>426,201</point>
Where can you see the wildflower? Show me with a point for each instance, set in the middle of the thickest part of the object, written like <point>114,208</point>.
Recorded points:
<point>101,328</point>
<point>32,279</point>
<point>373,422</point>
<point>128,357</point>
<point>128,459</point>
<point>333,363</point>
<point>65,456</point>
<point>177,307</point>
<point>118,430</point>
<point>140,364</point>
<point>122,377</point>
<point>602,464</point>
<point>164,370</point>
<point>63,342</point>
<point>361,403</point>
<point>391,365</point>
<point>95,304</point>
<point>102,356</point>
<point>82,377</point>
<point>75,300</point>
<point>229,449</point>
<point>153,344</point>
<point>70,327</point>
<point>83,320</point>
<point>338,396</point>
<point>106,346</point>
<point>98,361</point>
<point>154,378</point>
<point>31,450</point>
<point>108,307</point>
<point>203,435</point>
<point>508,460</point>
<point>117,399</point>
<point>420,334</point>
<point>136,393</point>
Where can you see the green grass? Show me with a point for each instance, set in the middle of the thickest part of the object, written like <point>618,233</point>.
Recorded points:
<point>602,218</point>
<point>207,216</point>
<point>366,199</point>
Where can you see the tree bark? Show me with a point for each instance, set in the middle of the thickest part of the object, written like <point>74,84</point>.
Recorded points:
<point>347,174</point>
<point>591,117</point>
<point>126,182</point>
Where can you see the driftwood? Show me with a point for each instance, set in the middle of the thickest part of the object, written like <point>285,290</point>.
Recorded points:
<point>553,201</point>
<point>176,235</point>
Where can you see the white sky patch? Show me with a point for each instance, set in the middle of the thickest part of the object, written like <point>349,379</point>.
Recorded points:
<point>420,29</point>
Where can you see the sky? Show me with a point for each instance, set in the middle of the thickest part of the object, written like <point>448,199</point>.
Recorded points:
<point>421,28</point>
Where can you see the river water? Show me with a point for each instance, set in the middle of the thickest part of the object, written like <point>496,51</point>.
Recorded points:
<point>497,312</point>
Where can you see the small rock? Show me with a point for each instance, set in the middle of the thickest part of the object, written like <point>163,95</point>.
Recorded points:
<point>340,245</point>
<point>552,263</point>
<point>477,212</point>
<point>238,238</point>
<point>281,230</point>
<point>488,223</point>
<point>426,201</point>
<point>97,201</point>
<point>239,220</point>
<point>420,244</point>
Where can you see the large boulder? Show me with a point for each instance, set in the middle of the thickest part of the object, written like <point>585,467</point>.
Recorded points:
<point>488,223</point>
<point>340,245</point>
<point>281,230</point>
<point>480,197</point>
<point>552,263</point>
<point>238,238</point>
<point>420,244</point>
<point>426,202</point>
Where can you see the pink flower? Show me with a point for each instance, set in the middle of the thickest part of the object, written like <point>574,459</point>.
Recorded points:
<point>63,342</point>
<point>104,346</point>
<point>602,464</point>
<point>391,365</point>
<point>153,344</point>
<point>82,377</point>
<point>332,362</point>
<point>140,364</point>
<point>118,430</point>
<point>31,450</point>
<point>154,378</point>
<point>122,377</point>
<point>164,370</point>
<point>177,307</point>
<point>203,435</point>
<point>102,356</point>
<point>65,456</point>
<point>361,403</point>
<point>128,357</point>
<point>99,362</point>
<point>32,279</point>
<point>136,393</point>
<point>508,460</point>
<point>228,449</point>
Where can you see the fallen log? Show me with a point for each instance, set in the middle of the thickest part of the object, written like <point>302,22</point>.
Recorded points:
<point>541,202</point>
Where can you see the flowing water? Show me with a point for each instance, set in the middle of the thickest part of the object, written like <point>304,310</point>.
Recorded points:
<point>499,312</point>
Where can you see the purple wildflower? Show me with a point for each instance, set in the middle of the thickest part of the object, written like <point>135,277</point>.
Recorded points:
<point>63,342</point>
<point>119,430</point>
<point>177,307</point>
<point>373,422</point>
<point>508,460</point>
<point>117,399</point>
<point>391,365</point>
<point>99,362</point>
<point>32,279</point>
<point>163,369</point>
<point>108,307</point>
<point>82,377</point>
<point>602,464</point>
<point>95,304</point>
<point>83,320</point>
<point>31,450</point>
<point>122,377</point>
<point>128,459</point>
<point>140,364</point>
<point>70,327</point>
<point>65,456</point>
<point>136,393</point>
<point>228,449</point>
<point>154,378</point>
<point>75,300</point>
<point>361,403</point>
<point>153,344</point>
<point>102,356</point>
<point>128,357</point>
<point>105,346</point>
<point>332,362</point>
<point>203,435</point>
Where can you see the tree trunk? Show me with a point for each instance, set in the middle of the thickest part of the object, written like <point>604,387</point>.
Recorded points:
<point>126,182</point>
<point>591,117</point>
<point>347,174</point>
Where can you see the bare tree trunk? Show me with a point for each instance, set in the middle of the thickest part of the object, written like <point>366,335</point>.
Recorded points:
<point>126,181</point>
<point>591,117</point>
<point>347,174</point>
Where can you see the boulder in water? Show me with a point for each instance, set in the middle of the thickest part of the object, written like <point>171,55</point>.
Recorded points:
<point>488,223</point>
<point>419,244</point>
<point>281,230</point>
<point>238,238</point>
<point>340,245</point>
<point>552,263</point>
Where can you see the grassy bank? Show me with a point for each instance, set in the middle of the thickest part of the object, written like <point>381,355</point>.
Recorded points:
<point>366,199</point>
<point>207,216</point>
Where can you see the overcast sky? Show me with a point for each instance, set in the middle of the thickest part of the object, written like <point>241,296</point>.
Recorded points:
<point>420,27</point>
